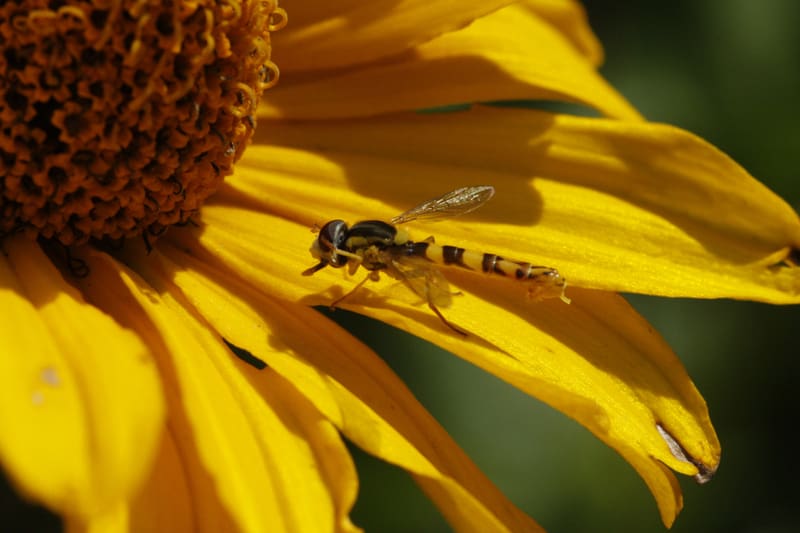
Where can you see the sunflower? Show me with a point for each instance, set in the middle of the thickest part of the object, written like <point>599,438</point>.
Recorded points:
<point>164,368</point>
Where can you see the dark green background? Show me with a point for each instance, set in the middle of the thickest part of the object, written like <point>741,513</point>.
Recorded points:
<point>728,70</point>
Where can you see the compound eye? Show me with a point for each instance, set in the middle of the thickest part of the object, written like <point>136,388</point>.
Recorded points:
<point>331,238</point>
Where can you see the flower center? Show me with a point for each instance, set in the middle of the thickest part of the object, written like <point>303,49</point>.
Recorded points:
<point>119,117</point>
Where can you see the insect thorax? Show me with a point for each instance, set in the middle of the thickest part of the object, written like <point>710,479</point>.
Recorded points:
<point>370,240</point>
<point>370,233</point>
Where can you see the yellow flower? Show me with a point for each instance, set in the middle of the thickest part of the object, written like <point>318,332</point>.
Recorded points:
<point>123,404</point>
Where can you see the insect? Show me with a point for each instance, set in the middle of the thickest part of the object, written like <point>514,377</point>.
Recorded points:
<point>379,246</point>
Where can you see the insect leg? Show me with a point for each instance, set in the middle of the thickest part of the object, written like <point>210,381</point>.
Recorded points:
<point>435,289</point>
<point>444,320</point>
<point>371,276</point>
<point>427,282</point>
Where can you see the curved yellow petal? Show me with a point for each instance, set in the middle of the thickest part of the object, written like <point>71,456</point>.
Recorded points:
<point>509,54</point>
<point>106,288</point>
<point>325,35</point>
<point>347,382</point>
<point>165,504</point>
<point>114,520</point>
<point>596,359</point>
<point>82,402</point>
<point>260,442</point>
<point>569,17</point>
<point>613,205</point>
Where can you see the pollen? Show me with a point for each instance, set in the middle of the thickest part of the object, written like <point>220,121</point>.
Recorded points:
<point>121,117</point>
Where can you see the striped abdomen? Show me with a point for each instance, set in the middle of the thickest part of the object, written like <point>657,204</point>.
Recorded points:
<point>483,262</point>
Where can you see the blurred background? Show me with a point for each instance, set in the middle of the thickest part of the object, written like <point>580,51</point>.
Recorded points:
<point>728,70</point>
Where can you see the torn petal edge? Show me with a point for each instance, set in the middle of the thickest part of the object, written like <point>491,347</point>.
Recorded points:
<point>704,473</point>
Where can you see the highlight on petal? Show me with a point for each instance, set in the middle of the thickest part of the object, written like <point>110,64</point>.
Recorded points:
<point>324,35</point>
<point>82,402</point>
<point>596,359</point>
<point>497,57</point>
<point>245,438</point>
<point>350,384</point>
<point>613,205</point>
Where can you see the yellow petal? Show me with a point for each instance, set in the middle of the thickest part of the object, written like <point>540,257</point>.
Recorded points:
<point>165,503</point>
<point>569,17</point>
<point>613,205</point>
<point>351,385</point>
<point>114,520</point>
<point>596,359</point>
<point>82,403</point>
<point>325,35</point>
<point>509,54</point>
<point>260,442</point>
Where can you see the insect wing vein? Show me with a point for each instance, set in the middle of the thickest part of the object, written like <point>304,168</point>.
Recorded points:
<point>424,279</point>
<point>454,203</point>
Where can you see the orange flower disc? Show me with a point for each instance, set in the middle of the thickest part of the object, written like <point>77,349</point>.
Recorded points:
<point>122,116</point>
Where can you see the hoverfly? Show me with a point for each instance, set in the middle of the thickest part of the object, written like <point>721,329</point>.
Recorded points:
<point>379,246</point>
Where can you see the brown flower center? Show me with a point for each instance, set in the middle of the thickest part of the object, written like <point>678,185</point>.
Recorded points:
<point>122,116</point>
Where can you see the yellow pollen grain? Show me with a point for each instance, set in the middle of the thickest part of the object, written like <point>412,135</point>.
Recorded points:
<point>120,117</point>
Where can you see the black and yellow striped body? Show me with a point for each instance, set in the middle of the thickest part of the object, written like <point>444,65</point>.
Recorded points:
<point>480,262</point>
<point>379,246</point>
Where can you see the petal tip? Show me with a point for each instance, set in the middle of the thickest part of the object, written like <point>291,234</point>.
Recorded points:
<point>704,472</point>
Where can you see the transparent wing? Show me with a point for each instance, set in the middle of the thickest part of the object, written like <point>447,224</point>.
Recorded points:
<point>452,204</point>
<point>424,279</point>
